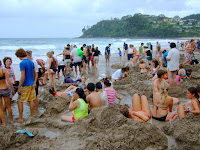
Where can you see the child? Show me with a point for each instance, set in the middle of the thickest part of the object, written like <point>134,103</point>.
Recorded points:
<point>142,67</point>
<point>120,54</point>
<point>188,73</point>
<point>182,73</point>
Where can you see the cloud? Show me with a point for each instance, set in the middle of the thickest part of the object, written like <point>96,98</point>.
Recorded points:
<point>66,18</point>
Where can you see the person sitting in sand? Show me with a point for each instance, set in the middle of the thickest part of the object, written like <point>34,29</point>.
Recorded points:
<point>188,73</point>
<point>71,89</point>
<point>79,105</point>
<point>103,94</point>
<point>93,99</point>
<point>182,73</point>
<point>142,67</point>
<point>162,105</point>
<point>155,68</point>
<point>127,73</point>
<point>193,106</point>
<point>111,93</point>
<point>158,82</point>
<point>41,74</point>
<point>140,109</point>
<point>118,75</point>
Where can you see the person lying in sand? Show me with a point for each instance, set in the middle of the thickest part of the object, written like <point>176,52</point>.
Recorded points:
<point>94,98</point>
<point>71,89</point>
<point>79,105</point>
<point>158,82</point>
<point>142,67</point>
<point>162,105</point>
<point>193,106</point>
<point>140,111</point>
<point>118,75</point>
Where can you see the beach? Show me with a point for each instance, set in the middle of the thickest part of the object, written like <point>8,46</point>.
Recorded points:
<point>107,127</point>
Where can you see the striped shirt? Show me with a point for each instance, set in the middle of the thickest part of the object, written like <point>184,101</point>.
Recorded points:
<point>111,96</point>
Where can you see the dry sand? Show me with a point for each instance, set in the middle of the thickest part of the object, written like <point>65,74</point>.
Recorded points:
<point>106,127</point>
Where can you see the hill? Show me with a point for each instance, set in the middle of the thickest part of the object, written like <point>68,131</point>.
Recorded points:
<point>140,25</point>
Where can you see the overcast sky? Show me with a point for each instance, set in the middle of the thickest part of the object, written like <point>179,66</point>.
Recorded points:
<point>66,18</point>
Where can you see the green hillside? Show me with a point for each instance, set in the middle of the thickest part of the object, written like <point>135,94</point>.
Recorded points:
<point>140,25</point>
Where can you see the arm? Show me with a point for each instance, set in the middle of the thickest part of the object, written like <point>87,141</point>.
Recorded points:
<point>118,97</point>
<point>14,79</point>
<point>171,104</point>
<point>49,64</point>
<point>56,63</point>
<point>21,80</point>
<point>158,67</point>
<point>195,105</point>
<point>144,118</point>
<point>35,77</point>
<point>60,54</point>
<point>7,79</point>
<point>73,104</point>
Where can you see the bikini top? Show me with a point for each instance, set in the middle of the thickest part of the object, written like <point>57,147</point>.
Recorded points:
<point>2,77</point>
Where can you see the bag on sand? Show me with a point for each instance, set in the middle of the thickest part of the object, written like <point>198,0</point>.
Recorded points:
<point>194,61</point>
<point>80,52</point>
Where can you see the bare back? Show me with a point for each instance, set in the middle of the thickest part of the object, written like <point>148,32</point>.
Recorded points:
<point>94,100</point>
<point>161,105</point>
<point>3,84</point>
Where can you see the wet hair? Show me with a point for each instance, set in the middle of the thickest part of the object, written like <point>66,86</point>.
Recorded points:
<point>43,69</point>
<point>109,44</point>
<point>165,88</point>
<point>164,51</point>
<point>194,91</point>
<point>142,43</point>
<point>198,88</point>
<point>98,85</point>
<point>84,44</point>
<point>81,93</point>
<point>191,40</point>
<point>141,61</point>
<point>131,45</point>
<point>124,69</point>
<point>97,48</point>
<point>107,83</point>
<point>4,60</point>
<point>160,73</point>
<point>91,86</point>
<point>181,66</point>
<point>68,44</point>
<point>21,53</point>
<point>29,52</point>
<point>145,47</point>
<point>52,52</point>
<point>156,63</point>
<point>172,45</point>
<point>49,54</point>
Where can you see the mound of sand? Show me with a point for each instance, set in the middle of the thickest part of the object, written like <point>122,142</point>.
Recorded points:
<point>186,132</point>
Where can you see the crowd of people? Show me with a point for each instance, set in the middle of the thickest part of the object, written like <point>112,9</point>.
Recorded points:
<point>160,65</point>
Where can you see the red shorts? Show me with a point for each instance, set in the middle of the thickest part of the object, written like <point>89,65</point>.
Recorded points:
<point>73,119</point>
<point>137,56</point>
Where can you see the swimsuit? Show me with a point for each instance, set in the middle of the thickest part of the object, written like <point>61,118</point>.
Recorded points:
<point>145,113</point>
<point>161,118</point>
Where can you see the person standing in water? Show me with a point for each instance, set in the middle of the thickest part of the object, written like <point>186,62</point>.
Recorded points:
<point>107,54</point>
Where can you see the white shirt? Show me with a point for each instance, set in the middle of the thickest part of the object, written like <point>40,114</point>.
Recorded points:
<point>118,74</point>
<point>36,66</point>
<point>61,62</point>
<point>75,57</point>
<point>174,57</point>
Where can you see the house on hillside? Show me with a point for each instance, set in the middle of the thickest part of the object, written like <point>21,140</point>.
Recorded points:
<point>167,19</point>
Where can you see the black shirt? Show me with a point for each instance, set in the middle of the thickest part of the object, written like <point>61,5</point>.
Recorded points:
<point>96,52</point>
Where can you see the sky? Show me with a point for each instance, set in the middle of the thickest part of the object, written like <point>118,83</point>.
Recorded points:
<point>66,18</point>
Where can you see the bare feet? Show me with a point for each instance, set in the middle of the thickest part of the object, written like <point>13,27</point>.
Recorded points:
<point>20,120</point>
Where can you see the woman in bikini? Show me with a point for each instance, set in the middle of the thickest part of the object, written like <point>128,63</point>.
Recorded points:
<point>5,94</point>
<point>52,68</point>
<point>162,105</point>
<point>192,106</point>
<point>140,109</point>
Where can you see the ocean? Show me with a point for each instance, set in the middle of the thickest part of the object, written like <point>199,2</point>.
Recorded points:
<point>40,46</point>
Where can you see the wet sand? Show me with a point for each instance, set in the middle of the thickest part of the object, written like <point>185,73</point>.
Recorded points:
<point>106,127</point>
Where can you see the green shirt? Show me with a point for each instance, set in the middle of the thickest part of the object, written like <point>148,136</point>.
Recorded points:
<point>82,111</point>
<point>140,50</point>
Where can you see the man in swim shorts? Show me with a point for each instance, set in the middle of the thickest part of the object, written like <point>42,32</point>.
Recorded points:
<point>26,88</point>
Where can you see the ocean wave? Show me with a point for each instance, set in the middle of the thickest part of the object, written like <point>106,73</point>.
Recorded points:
<point>35,47</point>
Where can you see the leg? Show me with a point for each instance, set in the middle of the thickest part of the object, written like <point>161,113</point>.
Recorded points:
<point>145,105</point>
<point>175,101</point>
<point>36,102</point>
<point>8,106</point>
<point>76,70</point>
<point>67,118</point>
<point>79,69</point>
<point>174,78</point>
<point>58,74</point>
<point>136,102</point>
<point>54,79</point>
<point>170,78</point>
<point>51,79</point>
<point>171,116</point>
<point>20,107</point>
<point>2,117</point>
<point>31,108</point>
<point>181,112</point>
